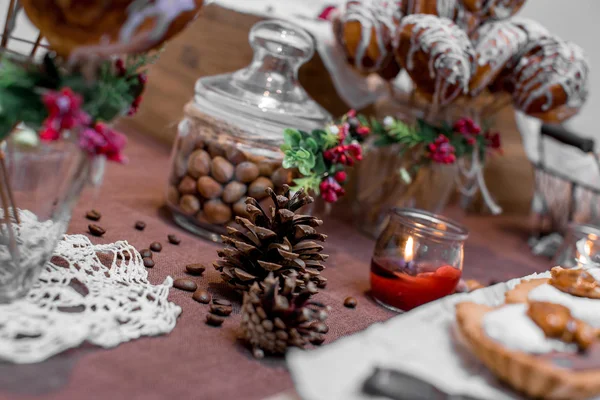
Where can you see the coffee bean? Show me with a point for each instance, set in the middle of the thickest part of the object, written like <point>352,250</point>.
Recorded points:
<point>185,284</point>
<point>222,302</point>
<point>146,253</point>
<point>96,230</point>
<point>140,225</point>
<point>187,185</point>
<point>173,239</point>
<point>93,215</point>
<point>223,311</point>
<point>201,296</point>
<point>266,168</point>
<point>221,169</point>
<point>155,247</point>
<point>195,269</point>
<point>350,302</point>
<point>209,188</point>
<point>257,189</point>
<point>189,204</point>
<point>215,149</point>
<point>148,262</point>
<point>246,172</point>
<point>214,320</point>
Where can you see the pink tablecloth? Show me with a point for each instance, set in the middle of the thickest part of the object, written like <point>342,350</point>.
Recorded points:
<point>197,361</point>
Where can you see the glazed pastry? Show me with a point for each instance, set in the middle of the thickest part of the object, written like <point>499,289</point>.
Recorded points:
<point>576,289</point>
<point>550,80</point>
<point>451,9</point>
<point>498,47</point>
<point>514,35</point>
<point>71,24</point>
<point>493,9</point>
<point>364,29</point>
<point>437,55</point>
<point>550,356</point>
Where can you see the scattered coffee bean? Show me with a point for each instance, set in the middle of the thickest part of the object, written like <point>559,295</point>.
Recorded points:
<point>124,256</point>
<point>93,215</point>
<point>201,296</point>
<point>350,302</point>
<point>148,262</point>
<point>214,320</point>
<point>223,311</point>
<point>195,269</point>
<point>155,247</point>
<point>140,225</point>
<point>146,253</point>
<point>173,239</point>
<point>185,284</point>
<point>222,302</point>
<point>96,230</point>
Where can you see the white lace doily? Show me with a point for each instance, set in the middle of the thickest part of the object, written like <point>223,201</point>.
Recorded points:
<point>94,293</point>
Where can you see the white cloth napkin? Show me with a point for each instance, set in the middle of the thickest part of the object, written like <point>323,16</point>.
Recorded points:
<point>420,343</point>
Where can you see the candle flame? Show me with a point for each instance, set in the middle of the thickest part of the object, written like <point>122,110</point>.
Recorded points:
<point>408,249</point>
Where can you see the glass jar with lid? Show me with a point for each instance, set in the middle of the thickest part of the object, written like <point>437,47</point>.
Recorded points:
<point>227,146</point>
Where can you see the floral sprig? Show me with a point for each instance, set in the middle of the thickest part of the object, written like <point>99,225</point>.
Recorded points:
<point>323,155</point>
<point>60,102</point>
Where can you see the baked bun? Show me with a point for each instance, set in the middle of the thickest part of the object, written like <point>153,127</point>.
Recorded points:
<point>364,29</point>
<point>550,80</point>
<point>451,9</point>
<point>68,25</point>
<point>493,9</point>
<point>437,55</point>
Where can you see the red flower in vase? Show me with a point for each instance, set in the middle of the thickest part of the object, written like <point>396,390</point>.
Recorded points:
<point>102,140</point>
<point>441,151</point>
<point>492,140</point>
<point>331,190</point>
<point>64,112</point>
<point>468,128</point>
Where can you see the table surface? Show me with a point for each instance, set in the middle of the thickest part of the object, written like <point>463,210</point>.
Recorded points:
<point>196,361</point>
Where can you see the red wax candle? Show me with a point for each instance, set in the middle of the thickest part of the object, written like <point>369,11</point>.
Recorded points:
<point>400,290</point>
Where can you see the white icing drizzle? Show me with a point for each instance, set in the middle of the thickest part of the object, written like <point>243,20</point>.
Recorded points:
<point>497,42</point>
<point>449,49</point>
<point>547,63</point>
<point>451,9</point>
<point>500,9</point>
<point>511,326</point>
<point>373,15</point>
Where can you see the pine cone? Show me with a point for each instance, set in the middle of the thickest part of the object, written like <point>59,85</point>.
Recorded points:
<point>280,242</point>
<point>274,318</point>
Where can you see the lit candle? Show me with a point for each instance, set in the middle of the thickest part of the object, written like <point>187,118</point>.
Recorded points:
<point>409,255</point>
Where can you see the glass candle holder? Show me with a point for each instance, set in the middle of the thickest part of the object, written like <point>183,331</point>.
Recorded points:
<point>580,246</point>
<point>418,258</point>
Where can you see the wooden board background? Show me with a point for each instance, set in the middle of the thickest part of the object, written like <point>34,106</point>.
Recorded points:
<point>217,43</point>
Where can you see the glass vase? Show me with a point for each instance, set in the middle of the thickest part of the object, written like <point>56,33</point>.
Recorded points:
<point>383,182</point>
<point>40,182</point>
<point>418,258</point>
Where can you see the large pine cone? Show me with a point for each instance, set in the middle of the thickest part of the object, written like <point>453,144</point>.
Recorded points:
<point>274,319</point>
<point>280,242</point>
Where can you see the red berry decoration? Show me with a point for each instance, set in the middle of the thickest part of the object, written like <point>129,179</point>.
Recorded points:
<point>120,66</point>
<point>340,176</point>
<point>441,151</point>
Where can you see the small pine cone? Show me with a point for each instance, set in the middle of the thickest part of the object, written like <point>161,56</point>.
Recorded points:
<point>275,318</point>
<point>280,242</point>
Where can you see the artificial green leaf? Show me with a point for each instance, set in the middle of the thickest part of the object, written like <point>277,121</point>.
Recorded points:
<point>309,183</point>
<point>319,167</point>
<point>311,145</point>
<point>291,137</point>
